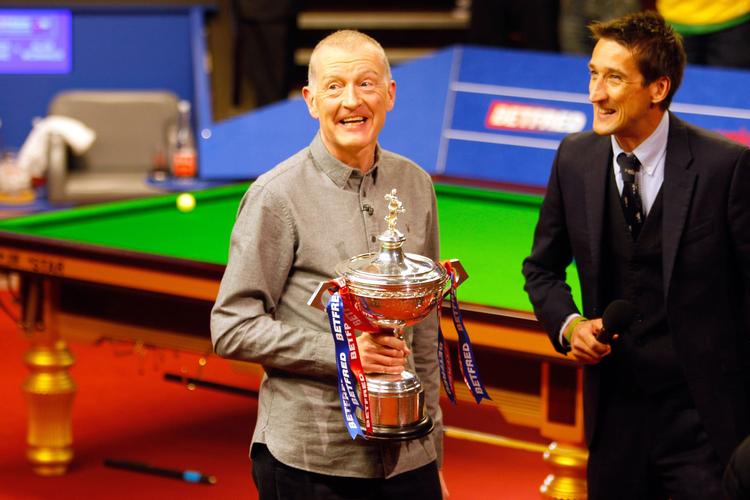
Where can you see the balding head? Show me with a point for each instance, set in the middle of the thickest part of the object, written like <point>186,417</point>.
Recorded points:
<point>344,40</point>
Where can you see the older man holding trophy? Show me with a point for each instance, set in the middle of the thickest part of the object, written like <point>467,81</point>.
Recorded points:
<point>330,211</point>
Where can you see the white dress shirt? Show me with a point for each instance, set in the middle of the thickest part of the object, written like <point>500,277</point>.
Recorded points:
<point>652,154</point>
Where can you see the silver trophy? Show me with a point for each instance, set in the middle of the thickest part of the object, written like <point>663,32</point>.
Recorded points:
<point>393,290</point>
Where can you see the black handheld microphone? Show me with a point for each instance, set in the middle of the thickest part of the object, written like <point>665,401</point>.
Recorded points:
<point>617,318</point>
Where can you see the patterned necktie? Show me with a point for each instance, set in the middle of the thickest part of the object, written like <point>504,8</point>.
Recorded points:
<point>631,198</point>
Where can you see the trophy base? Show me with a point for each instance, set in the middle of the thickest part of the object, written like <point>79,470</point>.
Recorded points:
<point>396,407</point>
<point>404,433</point>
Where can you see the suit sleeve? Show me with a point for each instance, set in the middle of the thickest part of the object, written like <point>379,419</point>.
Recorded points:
<point>739,220</point>
<point>551,254</point>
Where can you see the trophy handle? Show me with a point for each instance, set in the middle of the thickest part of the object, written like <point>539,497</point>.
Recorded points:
<point>316,299</point>
<point>461,274</point>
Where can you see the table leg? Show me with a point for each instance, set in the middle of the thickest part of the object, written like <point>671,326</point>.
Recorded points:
<point>562,420</point>
<point>49,388</point>
<point>567,480</point>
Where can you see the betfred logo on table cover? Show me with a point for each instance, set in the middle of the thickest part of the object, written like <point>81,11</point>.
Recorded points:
<point>525,117</point>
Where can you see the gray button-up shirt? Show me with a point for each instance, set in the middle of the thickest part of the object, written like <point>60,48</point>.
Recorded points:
<point>295,223</point>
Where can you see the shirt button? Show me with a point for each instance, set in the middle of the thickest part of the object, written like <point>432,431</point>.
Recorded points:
<point>373,238</point>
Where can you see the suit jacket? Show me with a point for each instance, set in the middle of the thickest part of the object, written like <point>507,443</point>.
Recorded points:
<point>706,265</point>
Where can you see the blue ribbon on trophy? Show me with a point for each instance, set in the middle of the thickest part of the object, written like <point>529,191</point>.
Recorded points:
<point>468,364</point>
<point>444,359</point>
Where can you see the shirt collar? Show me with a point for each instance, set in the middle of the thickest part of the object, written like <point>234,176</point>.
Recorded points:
<point>651,151</point>
<point>335,169</point>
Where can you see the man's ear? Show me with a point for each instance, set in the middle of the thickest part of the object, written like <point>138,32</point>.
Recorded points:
<point>391,95</point>
<point>309,96</point>
<point>659,89</point>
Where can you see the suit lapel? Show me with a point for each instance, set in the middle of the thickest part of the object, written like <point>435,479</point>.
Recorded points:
<point>677,191</point>
<point>595,185</point>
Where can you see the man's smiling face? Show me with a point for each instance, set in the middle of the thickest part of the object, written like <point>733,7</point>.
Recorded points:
<point>623,105</point>
<point>350,97</point>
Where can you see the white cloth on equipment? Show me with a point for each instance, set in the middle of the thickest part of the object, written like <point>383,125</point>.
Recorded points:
<point>33,156</point>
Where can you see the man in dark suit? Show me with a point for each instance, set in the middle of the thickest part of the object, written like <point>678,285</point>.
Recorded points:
<point>657,212</point>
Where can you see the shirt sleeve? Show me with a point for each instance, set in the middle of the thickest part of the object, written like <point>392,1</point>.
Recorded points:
<point>243,323</point>
<point>424,342</point>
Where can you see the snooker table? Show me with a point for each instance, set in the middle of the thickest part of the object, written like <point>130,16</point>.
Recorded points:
<point>143,271</point>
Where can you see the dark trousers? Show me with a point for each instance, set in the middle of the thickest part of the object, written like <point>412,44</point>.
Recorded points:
<point>652,447</point>
<point>277,481</point>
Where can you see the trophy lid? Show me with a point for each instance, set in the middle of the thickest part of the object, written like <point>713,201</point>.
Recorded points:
<point>391,265</point>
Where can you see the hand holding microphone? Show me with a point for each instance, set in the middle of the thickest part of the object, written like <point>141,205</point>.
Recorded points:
<point>589,339</point>
<point>617,318</point>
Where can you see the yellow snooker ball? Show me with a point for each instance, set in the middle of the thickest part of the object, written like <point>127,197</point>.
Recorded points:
<point>185,202</point>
